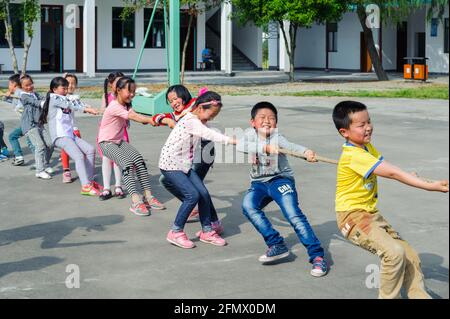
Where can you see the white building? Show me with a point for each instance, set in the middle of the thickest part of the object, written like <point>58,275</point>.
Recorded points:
<point>104,42</point>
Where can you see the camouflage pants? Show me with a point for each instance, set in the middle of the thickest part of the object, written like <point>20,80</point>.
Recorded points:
<point>400,264</point>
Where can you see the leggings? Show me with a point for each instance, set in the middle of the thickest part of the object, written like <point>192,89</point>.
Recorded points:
<point>83,154</point>
<point>65,157</point>
<point>107,167</point>
<point>127,157</point>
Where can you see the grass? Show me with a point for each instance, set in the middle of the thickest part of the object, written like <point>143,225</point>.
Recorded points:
<point>421,91</point>
<point>431,92</point>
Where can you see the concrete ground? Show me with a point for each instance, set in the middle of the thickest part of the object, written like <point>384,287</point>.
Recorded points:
<point>47,227</point>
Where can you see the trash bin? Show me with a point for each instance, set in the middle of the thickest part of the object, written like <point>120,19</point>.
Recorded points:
<point>415,68</point>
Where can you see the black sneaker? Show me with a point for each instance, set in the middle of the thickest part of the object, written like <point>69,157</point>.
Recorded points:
<point>18,162</point>
<point>275,252</point>
<point>105,195</point>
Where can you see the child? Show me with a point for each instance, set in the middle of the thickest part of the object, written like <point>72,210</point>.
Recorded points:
<point>112,145</point>
<point>107,164</point>
<point>3,146</point>
<point>75,99</point>
<point>182,102</point>
<point>58,113</point>
<point>13,97</point>
<point>357,196</point>
<point>32,128</point>
<point>175,164</point>
<point>273,180</point>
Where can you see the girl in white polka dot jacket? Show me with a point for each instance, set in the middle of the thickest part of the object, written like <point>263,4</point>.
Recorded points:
<point>175,164</point>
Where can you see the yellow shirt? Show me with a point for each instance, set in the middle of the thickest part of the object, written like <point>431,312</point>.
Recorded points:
<point>356,185</point>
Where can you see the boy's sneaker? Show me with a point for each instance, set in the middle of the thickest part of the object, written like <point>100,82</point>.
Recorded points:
<point>49,170</point>
<point>275,252</point>
<point>212,238</point>
<point>4,152</point>
<point>319,267</point>
<point>43,175</point>
<point>154,204</point>
<point>139,209</point>
<point>90,190</point>
<point>3,158</point>
<point>18,161</point>
<point>180,239</point>
<point>67,177</point>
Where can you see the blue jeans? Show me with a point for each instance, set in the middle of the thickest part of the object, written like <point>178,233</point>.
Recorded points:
<point>14,137</point>
<point>192,192</point>
<point>201,169</point>
<point>284,193</point>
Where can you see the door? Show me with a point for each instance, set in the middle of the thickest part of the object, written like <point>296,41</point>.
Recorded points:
<point>52,35</point>
<point>402,45</point>
<point>420,44</point>
<point>366,62</point>
<point>80,43</point>
<point>190,51</point>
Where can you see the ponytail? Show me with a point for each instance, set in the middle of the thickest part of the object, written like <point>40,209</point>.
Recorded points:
<point>55,83</point>
<point>44,113</point>
<point>110,80</point>
<point>105,90</point>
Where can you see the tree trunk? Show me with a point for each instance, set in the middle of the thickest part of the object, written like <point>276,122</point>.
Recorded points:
<point>186,42</point>
<point>8,36</point>
<point>373,53</point>
<point>293,35</point>
<point>26,50</point>
<point>290,49</point>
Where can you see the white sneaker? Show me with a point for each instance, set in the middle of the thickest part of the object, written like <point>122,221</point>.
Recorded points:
<point>50,170</point>
<point>43,175</point>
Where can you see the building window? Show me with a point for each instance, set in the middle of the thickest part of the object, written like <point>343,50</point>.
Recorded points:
<point>332,29</point>
<point>446,35</point>
<point>122,30</point>
<point>156,38</point>
<point>17,24</point>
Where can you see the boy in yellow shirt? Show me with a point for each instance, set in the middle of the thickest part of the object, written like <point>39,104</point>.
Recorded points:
<point>357,196</point>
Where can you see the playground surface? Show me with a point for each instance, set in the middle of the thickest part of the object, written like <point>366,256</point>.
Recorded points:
<point>48,231</point>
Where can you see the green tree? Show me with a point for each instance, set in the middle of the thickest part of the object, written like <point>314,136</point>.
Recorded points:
<point>30,12</point>
<point>297,14</point>
<point>194,8</point>
<point>392,13</point>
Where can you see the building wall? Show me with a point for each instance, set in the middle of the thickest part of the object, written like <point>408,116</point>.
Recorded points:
<point>389,46</point>
<point>116,59</point>
<point>439,61</point>
<point>34,57</point>
<point>310,51</point>
<point>248,39</point>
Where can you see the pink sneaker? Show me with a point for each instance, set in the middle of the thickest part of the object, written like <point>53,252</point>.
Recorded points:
<point>67,177</point>
<point>217,227</point>
<point>139,209</point>
<point>154,204</point>
<point>212,238</point>
<point>180,239</point>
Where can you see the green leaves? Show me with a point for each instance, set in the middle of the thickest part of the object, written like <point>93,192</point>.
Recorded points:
<point>302,13</point>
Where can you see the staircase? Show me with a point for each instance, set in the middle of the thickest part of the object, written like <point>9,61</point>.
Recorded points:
<point>240,60</point>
